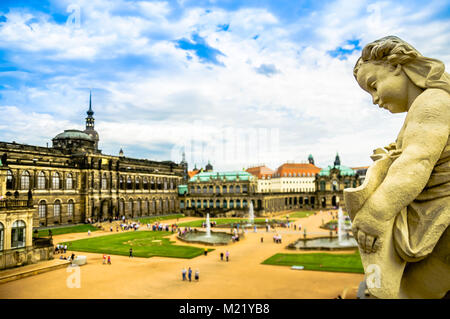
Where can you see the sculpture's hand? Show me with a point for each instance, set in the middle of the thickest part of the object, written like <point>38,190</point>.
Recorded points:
<point>367,232</point>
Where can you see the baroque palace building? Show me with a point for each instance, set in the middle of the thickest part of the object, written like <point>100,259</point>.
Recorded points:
<point>72,181</point>
<point>292,186</point>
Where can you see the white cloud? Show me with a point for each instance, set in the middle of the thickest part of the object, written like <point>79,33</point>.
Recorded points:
<point>313,102</point>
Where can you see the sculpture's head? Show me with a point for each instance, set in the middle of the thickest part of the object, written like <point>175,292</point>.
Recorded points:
<point>394,73</point>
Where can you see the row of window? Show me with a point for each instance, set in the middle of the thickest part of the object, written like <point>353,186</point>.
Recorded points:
<point>289,175</point>
<point>25,181</point>
<point>218,204</point>
<point>18,235</point>
<point>141,183</point>
<point>225,189</point>
<point>42,208</point>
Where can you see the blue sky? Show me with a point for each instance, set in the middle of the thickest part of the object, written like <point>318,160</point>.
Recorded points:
<point>239,83</point>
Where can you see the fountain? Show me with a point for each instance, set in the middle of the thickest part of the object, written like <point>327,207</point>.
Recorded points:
<point>340,225</point>
<point>328,243</point>
<point>251,214</point>
<point>208,226</point>
<point>208,237</point>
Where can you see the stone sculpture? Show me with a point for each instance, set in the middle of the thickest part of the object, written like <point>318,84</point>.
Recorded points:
<point>401,212</point>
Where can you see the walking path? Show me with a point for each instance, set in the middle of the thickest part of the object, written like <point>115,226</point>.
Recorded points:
<point>242,277</point>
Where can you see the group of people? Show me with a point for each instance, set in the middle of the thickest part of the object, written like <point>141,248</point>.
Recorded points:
<point>277,239</point>
<point>188,272</point>
<point>212,224</point>
<point>106,259</point>
<point>227,255</point>
<point>60,249</point>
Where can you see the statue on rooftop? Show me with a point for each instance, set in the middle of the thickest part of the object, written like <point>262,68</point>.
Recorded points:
<point>401,212</point>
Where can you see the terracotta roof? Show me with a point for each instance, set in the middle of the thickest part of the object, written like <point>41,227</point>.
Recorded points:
<point>192,173</point>
<point>297,168</point>
<point>260,171</point>
<point>360,167</point>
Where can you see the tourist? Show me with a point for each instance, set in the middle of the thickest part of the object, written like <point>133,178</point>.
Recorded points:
<point>109,260</point>
<point>104,259</point>
<point>131,252</point>
<point>206,251</point>
<point>89,233</point>
<point>221,256</point>
<point>197,275</point>
<point>183,273</point>
<point>111,228</point>
<point>262,239</point>
<point>190,274</point>
<point>227,255</point>
<point>72,257</point>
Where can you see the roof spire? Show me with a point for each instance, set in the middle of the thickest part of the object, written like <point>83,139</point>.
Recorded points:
<point>90,112</point>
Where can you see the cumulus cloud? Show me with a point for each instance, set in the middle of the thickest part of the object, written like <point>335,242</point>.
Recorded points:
<point>234,86</point>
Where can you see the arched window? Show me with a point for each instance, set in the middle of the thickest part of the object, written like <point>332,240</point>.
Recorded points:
<point>238,203</point>
<point>171,185</point>
<point>217,203</point>
<point>198,189</point>
<point>130,206</point>
<point>217,190</point>
<point>129,184</point>
<point>121,207</point>
<point>9,180</point>
<point>1,236</point>
<point>204,189</point>
<point>145,183</point>
<point>322,185</point>
<point>57,208</point>
<point>224,189</point>
<point>18,234</point>
<point>137,182</point>
<point>244,188</point>
<point>55,180</point>
<point>238,189</point>
<point>70,208</point>
<point>42,209</point>
<point>211,189</point>
<point>138,207</point>
<point>121,185</point>
<point>192,189</point>
<point>165,185</point>
<point>69,181</point>
<point>25,180</point>
<point>231,189</point>
<point>152,184</point>
<point>104,181</point>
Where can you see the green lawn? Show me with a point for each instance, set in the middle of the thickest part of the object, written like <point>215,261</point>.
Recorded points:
<point>330,262</point>
<point>220,221</point>
<point>144,244</point>
<point>151,220</point>
<point>68,230</point>
<point>300,214</point>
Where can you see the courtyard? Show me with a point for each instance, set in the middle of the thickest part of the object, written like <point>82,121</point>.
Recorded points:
<point>244,276</point>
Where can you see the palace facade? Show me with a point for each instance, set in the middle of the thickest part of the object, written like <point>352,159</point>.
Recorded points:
<point>73,181</point>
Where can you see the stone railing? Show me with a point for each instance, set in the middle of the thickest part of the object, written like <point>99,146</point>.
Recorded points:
<point>14,203</point>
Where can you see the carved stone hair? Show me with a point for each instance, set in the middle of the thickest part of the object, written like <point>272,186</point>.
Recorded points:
<point>388,50</point>
<point>424,72</point>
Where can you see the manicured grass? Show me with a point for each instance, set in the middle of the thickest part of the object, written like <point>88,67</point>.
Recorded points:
<point>151,220</point>
<point>67,230</point>
<point>330,262</point>
<point>220,221</point>
<point>300,214</point>
<point>144,244</point>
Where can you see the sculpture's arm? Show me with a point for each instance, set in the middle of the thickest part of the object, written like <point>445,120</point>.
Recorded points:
<point>424,138</point>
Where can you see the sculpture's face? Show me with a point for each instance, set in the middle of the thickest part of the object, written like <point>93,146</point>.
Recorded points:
<point>388,86</point>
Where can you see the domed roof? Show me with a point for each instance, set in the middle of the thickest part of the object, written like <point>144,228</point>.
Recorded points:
<point>73,134</point>
<point>344,170</point>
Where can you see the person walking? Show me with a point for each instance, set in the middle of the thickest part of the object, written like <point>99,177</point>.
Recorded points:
<point>109,260</point>
<point>262,239</point>
<point>197,275</point>
<point>131,252</point>
<point>183,273</point>
<point>206,251</point>
<point>104,259</point>
<point>221,256</point>
<point>190,274</point>
<point>227,255</point>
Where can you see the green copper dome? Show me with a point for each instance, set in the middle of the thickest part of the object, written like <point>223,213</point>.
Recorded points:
<point>345,171</point>
<point>229,176</point>
<point>73,134</point>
